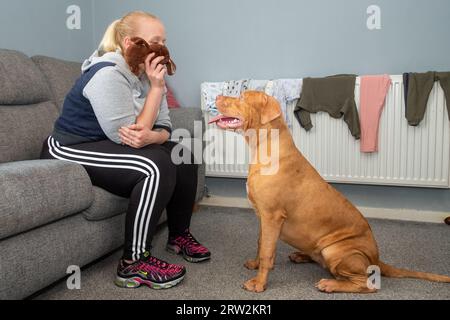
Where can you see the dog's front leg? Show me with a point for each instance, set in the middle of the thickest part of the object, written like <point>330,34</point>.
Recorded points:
<point>270,231</point>
<point>254,264</point>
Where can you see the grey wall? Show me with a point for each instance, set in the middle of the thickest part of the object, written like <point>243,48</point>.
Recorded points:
<point>213,40</point>
<point>39,27</point>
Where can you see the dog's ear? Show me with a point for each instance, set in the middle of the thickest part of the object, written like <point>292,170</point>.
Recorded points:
<point>171,67</point>
<point>270,109</point>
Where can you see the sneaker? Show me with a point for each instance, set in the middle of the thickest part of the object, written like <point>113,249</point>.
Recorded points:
<point>191,249</point>
<point>149,271</point>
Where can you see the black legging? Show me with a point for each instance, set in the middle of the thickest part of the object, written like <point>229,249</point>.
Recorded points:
<point>147,176</point>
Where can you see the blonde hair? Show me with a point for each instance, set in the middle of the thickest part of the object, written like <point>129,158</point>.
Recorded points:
<point>119,29</point>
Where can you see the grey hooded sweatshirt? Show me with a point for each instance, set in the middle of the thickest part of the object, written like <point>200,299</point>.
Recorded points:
<point>108,89</point>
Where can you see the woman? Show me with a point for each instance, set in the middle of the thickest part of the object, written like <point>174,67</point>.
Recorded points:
<point>116,124</point>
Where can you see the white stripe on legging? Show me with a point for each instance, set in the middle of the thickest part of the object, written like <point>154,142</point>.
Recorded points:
<point>138,237</point>
<point>136,251</point>
<point>146,217</point>
<point>138,240</point>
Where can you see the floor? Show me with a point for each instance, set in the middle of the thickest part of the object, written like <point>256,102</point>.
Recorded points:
<point>231,235</point>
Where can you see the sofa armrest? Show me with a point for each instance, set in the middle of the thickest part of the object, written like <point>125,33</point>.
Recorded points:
<point>191,119</point>
<point>36,192</point>
<point>186,118</point>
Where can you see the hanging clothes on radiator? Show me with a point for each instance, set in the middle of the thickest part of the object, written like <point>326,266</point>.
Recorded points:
<point>234,88</point>
<point>405,89</point>
<point>210,90</point>
<point>373,91</point>
<point>258,85</point>
<point>285,91</point>
<point>334,95</point>
<point>419,88</point>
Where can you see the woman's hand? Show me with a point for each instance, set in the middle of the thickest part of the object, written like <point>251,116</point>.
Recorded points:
<point>155,71</point>
<point>138,136</point>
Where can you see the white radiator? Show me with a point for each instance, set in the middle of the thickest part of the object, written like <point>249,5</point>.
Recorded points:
<point>407,156</point>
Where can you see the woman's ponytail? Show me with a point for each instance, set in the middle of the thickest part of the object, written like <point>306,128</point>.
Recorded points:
<point>119,29</point>
<point>109,41</point>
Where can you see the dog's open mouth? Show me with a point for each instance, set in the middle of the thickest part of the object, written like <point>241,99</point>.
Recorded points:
<point>226,122</point>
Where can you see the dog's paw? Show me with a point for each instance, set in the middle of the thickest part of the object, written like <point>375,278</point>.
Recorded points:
<point>326,285</point>
<point>254,285</point>
<point>251,264</point>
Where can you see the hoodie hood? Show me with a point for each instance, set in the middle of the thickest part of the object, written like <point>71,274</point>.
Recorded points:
<point>115,57</point>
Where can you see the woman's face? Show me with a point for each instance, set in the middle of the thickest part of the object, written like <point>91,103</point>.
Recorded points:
<point>149,29</point>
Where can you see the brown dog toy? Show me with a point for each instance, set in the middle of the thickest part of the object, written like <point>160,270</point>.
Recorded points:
<point>140,49</point>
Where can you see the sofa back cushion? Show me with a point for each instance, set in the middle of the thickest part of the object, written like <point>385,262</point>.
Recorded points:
<point>21,81</point>
<point>26,111</point>
<point>60,74</point>
<point>24,128</point>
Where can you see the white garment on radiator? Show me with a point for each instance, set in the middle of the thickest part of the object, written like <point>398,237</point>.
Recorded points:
<point>258,85</point>
<point>285,91</point>
<point>234,88</point>
<point>210,91</point>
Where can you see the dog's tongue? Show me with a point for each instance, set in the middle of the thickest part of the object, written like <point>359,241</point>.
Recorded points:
<point>216,118</point>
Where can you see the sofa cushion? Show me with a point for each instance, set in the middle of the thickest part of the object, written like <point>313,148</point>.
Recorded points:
<point>60,74</point>
<point>105,205</point>
<point>23,129</point>
<point>21,81</point>
<point>37,192</point>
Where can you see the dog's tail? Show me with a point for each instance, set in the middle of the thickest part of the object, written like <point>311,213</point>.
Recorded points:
<point>390,271</point>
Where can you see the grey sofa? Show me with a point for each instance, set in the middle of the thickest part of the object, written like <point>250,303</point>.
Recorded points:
<point>51,216</point>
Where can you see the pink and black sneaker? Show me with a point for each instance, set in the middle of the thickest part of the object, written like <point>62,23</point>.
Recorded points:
<point>190,248</point>
<point>149,271</point>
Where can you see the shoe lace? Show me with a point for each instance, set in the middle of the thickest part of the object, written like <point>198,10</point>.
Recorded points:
<point>151,260</point>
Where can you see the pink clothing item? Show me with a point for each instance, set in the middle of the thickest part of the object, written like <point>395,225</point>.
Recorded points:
<point>373,91</point>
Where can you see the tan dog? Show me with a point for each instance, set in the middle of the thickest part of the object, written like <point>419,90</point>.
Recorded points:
<point>296,205</point>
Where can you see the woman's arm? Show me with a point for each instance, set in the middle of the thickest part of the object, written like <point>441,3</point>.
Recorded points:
<point>149,112</point>
<point>138,136</point>
<point>145,131</point>
<point>155,73</point>
<point>111,99</point>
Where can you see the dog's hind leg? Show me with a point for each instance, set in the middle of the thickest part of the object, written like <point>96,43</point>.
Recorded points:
<point>351,273</point>
<point>299,257</point>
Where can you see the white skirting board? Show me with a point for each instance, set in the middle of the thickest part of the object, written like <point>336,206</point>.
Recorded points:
<point>378,213</point>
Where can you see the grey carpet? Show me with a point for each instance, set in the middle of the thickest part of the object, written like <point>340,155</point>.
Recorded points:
<point>231,235</point>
